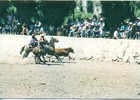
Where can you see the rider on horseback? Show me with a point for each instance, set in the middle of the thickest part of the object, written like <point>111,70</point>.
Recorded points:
<point>43,42</point>
<point>34,42</point>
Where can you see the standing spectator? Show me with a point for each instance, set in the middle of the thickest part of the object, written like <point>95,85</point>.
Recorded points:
<point>19,28</point>
<point>51,30</point>
<point>102,26</point>
<point>129,30</point>
<point>94,20</point>
<point>14,25</point>
<point>37,27</point>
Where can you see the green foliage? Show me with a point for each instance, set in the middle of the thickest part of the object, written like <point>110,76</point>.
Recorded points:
<point>2,21</point>
<point>81,6</point>
<point>116,12</point>
<point>78,14</point>
<point>136,6</point>
<point>89,6</point>
<point>40,13</point>
<point>12,9</point>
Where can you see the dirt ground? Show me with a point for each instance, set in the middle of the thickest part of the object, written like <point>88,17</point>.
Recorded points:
<point>98,77</point>
<point>73,79</point>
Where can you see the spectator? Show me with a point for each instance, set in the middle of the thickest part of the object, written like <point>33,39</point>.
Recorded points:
<point>7,28</point>
<point>37,27</point>
<point>24,29</point>
<point>129,30</point>
<point>102,25</point>
<point>115,34</point>
<point>81,31</point>
<point>51,30</point>
<point>19,28</point>
<point>96,30</point>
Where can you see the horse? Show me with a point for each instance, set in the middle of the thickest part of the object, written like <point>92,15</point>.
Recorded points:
<point>38,52</point>
<point>27,49</point>
<point>63,52</point>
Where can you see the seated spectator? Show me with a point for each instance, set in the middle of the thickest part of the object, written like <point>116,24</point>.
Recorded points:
<point>24,29</point>
<point>80,31</point>
<point>96,31</point>
<point>122,30</point>
<point>72,30</point>
<point>31,30</point>
<point>129,30</point>
<point>87,32</point>
<point>37,27</point>
<point>115,34</point>
<point>7,28</point>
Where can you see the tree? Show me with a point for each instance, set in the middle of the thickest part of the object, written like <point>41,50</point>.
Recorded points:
<point>81,6</point>
<point>116,12</point>
<point>89,6</point>
<point>49,12</point>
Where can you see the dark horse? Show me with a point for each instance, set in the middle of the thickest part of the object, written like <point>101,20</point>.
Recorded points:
<point>38,52</point>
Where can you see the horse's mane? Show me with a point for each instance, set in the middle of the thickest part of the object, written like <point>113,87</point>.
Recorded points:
<point>68,48</point>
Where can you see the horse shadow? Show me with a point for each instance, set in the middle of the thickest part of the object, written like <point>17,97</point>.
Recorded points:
<point>68,62</point>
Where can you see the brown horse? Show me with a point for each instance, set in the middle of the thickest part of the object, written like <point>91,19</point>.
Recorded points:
<point>63,52</point>
<point>38,52</point>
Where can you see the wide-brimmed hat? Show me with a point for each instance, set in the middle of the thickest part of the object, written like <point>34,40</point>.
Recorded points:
<point>134,24</point>
<point>130,23</point>
<point>42,35</point>
<point>33,34</point>
<point>101,19</point>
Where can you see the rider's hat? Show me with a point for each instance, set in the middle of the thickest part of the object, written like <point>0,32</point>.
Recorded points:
<point>33,34</point>
<point>42,35</point>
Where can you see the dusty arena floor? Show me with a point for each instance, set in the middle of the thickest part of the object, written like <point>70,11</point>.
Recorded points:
<point>73,79</point>
<point>94,78</point>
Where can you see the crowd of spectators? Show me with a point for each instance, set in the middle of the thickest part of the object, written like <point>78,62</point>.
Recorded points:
<point>96,27</point>
<point>90,27</point>
<point>13,26</point>
<point>128,30</point>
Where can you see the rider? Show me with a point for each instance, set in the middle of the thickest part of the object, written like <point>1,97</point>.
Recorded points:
<point>43,42</point>
<point>34,41</point>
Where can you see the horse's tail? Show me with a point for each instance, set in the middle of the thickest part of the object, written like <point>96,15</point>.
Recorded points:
<point>27,53</point>
<point>22,49</point>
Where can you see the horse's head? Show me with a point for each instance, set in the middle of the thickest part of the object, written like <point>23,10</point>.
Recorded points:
<point>53,40</point>
<point>71,50</point>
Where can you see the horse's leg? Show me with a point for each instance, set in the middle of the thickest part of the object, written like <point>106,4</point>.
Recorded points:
<point>44,58</point>
<point>70,57</point>
<point>22,49</point>
<point>40,59</point>
<point>27,53</point>
<point>49,58</point>
<point>35,59</point>
<point>58,58</point>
